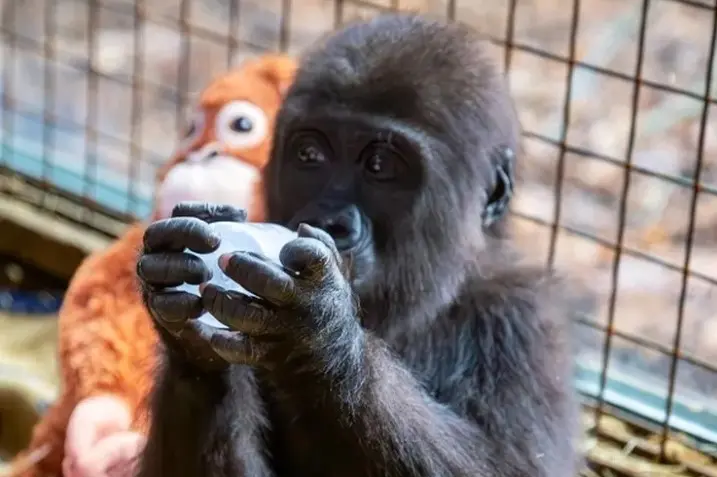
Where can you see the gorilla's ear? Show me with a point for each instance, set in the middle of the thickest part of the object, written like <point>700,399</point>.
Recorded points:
<point>499,199</point>
<point>277,69</point>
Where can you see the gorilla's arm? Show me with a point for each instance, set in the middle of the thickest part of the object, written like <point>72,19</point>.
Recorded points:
<point>205,424</point>
<point>206,417</point>
<point>185,411</point>
<point>470,394</point>
<point>392,425</point>
<point>480,389</point>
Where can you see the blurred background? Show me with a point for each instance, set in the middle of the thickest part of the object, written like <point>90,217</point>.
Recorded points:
<point>619,176</point>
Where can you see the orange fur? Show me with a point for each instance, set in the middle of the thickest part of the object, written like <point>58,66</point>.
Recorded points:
<point>106,339</point>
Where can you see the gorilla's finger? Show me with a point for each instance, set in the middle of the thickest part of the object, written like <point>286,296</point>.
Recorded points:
<point>239,348</point>
<point>196,340</point>
<point>174,307</point>
<point>310,257</point>
<point>239,312</point>
<point>178,233</point>
<point>172,269</point>
<point>200,331</point>
<point>210,213</point>
<point>260,276</point>
<point>306,230</point>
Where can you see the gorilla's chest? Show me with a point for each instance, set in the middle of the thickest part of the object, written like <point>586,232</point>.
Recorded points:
<point>308,438</point>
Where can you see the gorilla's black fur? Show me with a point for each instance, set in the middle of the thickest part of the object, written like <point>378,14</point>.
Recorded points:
<point>400,336</point>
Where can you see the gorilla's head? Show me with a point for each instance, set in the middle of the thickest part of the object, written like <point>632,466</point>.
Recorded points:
<point>397,138</point>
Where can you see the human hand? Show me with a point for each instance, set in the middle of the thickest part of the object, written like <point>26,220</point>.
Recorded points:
<point>99,441</point>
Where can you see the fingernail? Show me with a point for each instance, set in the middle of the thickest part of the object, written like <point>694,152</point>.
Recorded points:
<point>215,239</point>
<point>202,286</point>
<point>224,261</point>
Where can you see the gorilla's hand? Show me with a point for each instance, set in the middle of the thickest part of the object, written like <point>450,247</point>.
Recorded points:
<point>163,264</point>
<point>304,309</point>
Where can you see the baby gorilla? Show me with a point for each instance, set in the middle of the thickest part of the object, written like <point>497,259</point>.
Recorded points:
<point>398,336</point>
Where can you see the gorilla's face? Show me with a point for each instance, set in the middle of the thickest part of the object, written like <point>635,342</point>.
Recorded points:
<point>356,177</point>
<point>403,171</point>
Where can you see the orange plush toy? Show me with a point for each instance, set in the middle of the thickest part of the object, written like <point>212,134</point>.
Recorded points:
<point>107,341</point>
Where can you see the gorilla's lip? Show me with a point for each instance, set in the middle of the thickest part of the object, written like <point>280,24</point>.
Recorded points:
<point>356,250</point>
<point>363,243</point>
<point>355,259</point>
<point>357,263</point>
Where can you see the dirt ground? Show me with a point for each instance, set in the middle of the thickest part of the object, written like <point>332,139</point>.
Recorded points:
<point>664,152</point>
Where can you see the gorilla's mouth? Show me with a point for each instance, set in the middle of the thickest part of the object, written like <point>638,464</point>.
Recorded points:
<point>349,228</point>
<point>354,247</point>
<point>350,241</point>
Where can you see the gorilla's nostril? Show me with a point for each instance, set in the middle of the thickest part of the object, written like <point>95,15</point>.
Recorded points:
<point>344,225</point>
<point>336,230</point>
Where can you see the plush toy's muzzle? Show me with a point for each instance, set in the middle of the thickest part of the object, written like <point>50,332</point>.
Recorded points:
<point>211,178</point>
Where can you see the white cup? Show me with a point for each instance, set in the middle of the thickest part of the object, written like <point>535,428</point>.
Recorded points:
<point>262,238</point>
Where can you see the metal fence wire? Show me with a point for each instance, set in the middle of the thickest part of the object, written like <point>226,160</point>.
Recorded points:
<point>616,98</point>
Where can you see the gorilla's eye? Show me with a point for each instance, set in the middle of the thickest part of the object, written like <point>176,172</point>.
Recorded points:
<point>375,164</point>
<point>310,154</point>
<point>242,124</point>
<point>379,163</point>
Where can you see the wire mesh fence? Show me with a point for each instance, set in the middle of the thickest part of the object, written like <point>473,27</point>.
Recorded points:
<point>616,98</point>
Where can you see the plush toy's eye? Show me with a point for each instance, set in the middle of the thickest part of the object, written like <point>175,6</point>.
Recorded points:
<point>241,124</point>
<point>194,129</point>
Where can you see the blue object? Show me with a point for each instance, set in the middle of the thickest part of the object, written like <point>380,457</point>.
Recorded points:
<point>24,302</point>
<point>24,153</point>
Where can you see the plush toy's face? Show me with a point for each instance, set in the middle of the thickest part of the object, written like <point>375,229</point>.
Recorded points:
<point>228,139</point>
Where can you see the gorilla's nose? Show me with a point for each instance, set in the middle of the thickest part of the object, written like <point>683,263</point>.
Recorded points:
<point>343,225</point>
